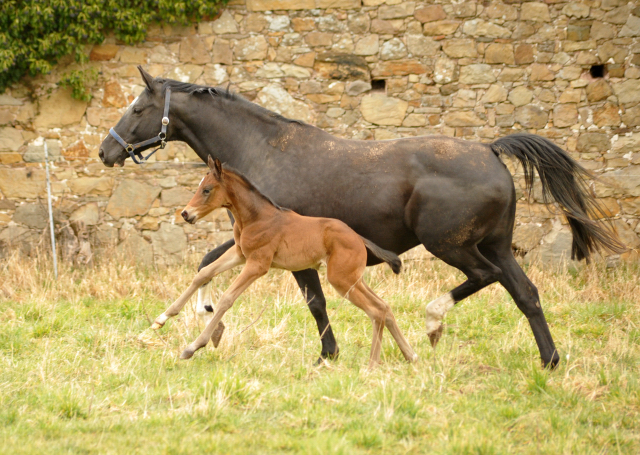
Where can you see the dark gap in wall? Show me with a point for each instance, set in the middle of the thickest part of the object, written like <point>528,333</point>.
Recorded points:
<point>378,85</point>
<point>598,71</point>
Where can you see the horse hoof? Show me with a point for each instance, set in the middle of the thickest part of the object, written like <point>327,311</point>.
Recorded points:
<point>187,354</point>
<point>434,336</point>
<point>156,326</point>
<point>217,334</point>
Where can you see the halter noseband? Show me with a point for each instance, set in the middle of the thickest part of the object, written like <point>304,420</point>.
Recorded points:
<point>132,149</point>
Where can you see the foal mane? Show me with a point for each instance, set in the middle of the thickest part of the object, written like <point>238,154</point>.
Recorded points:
<point>221,92</point>
<point>251,187</point>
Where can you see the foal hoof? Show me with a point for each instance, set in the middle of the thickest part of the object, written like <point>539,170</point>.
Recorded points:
<point>187,354</point>
<point>434,336</point>
<point>217,334</point>
<point>156,326</point>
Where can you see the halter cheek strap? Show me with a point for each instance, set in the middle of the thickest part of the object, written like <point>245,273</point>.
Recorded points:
<point>133,149</point>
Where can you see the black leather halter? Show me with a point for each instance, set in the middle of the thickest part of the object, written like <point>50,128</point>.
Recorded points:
<point>132,149</point>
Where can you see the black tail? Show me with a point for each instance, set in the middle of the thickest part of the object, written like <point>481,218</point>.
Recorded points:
<point>564,181</point>
<point>387,256</point>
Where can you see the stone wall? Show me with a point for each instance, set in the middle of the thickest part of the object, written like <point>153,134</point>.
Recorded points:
<point>366,69</point>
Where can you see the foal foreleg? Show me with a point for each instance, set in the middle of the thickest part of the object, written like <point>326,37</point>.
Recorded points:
<point>204,310</point>
<point>227,261</point>
<point>249,274</point>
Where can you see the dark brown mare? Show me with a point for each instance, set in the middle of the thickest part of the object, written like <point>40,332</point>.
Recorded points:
<point>267,236</point>
<point>456,198</point>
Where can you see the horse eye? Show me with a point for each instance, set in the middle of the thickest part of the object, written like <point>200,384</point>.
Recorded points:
<point>137,110</point>
<point>206,191</point>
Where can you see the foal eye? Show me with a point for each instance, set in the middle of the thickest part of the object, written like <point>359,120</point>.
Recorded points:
<point>206,191</point>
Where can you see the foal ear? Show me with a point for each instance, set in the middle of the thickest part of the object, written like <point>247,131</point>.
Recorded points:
<point>215,166</point>
<point>147,78</point>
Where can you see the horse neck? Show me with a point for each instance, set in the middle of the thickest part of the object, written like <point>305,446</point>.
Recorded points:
<point>231,130</point>
<point>246,205</point>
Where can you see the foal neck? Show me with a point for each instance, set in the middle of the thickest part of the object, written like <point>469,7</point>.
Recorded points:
<point>245,201</point>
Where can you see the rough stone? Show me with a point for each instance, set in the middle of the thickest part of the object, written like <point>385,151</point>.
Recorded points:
<point>445,71</point>
<point>113,95</point>
<point>394,49</point>
<point>593,143</point>
<point>527,236</point>
<point>541,72</point>
<point>460,47</point>
<point>32,215</point>
<point>103,52</point>
<point>534,11</point>
<point>440,27</point>
<point>422,46</point>
<point>499,53</point>
<point>628,92</point>
<point>626,144</point>
<point>224,24</point>
<point>631,27</point>
<point>275,98</point>
<point>100,186</point>
<point>477,74</point>
<point>531,116</point>
<point>565,115</point>
<point>194,50</point>
<point>131,198</point>
<point>430,13</point>
<point>135,248</point>
<point>382,110</point>
<point>606,115</point>
<point>479,27</point>
<point>399,68</point>
<point>169,243</point>
<point>22,183</point>
<point>414,120</point>
<point>252,48</point>
<point>598,90</point>
<point>578,10</point>
<point>631,116</point>
<point>463,118</point>
<point>221,52</point>
<point>333,65</point>
<point>523,54</point>
<point>600,30</point>
<point>59,109</point>
<point>398,11</point>
<point>35,151</point>
<point>176,197</point>
<point>623,182</point>
<point>89,214</point>
<point>495,94</point>
<point>356,88</point>
<point>555,248</point>
<point>10,139</point>
<point>367,45</point>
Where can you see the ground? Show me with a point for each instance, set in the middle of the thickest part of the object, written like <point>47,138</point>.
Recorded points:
<point>81,373</point>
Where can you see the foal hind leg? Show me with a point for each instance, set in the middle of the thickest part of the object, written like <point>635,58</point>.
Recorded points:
<point>392,325</point>
<point>525,294</point>
<point>480,273</point>
<point>204,305</point>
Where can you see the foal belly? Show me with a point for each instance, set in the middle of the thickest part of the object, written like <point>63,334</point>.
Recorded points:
<point>297,261</point>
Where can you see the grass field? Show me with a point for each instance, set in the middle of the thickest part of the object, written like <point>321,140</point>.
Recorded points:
<point>76,377</point>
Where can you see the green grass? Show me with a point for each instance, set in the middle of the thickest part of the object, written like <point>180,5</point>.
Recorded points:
<point>75,377</point>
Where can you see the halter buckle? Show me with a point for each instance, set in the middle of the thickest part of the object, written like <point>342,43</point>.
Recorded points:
<point>165,120</point>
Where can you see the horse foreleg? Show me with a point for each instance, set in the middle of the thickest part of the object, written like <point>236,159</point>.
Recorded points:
<point>249,274</point>
<point>228,260</point>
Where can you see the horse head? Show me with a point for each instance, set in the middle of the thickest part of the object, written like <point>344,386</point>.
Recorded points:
<point>140,126</point>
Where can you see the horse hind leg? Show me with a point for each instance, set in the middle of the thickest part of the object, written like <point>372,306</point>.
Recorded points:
<point>480,273</point>
<point>526,297</point>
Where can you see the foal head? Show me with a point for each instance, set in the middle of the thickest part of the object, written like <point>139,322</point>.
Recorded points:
<point>209,196</point>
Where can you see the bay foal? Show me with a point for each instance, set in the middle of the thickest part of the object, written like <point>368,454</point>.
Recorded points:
<point>268,236</point>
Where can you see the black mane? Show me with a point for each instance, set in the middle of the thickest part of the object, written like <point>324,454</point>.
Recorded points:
<point>224,93</point>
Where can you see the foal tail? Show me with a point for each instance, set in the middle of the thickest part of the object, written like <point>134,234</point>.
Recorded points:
<point>387,256</point>
<point>564,181</point>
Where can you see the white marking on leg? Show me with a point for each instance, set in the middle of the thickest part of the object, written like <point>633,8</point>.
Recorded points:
<point>160,321</point>
<point>204,299</point>
<point>436,311</point>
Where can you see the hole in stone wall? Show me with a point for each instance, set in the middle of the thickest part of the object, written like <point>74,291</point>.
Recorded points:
<point>378,85</point>
<point>598,71</point>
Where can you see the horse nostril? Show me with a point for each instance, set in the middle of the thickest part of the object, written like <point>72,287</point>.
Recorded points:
<point>101,155</point>
<point>185,215</point>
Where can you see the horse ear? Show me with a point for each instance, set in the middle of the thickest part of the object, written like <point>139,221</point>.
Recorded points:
<point>147,78</point>
<point>215,166</point>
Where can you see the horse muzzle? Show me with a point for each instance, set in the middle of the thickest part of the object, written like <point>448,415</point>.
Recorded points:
<point>189,217</point>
